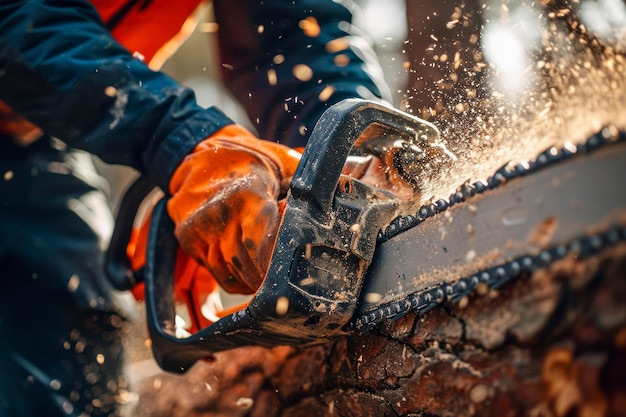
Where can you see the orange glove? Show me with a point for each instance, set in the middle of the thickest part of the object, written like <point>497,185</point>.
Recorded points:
<point>225,204</point>
<point>195,290</point>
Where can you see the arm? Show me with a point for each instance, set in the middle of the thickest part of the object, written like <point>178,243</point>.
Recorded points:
<point>263,45</point>
<point>61,69</point>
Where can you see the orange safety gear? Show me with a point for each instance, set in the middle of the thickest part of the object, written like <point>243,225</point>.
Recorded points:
<point>15,126</point>
<point>153,28</point>
<point>225,204</point>
<point>195,289</point>
<point>167,23</point>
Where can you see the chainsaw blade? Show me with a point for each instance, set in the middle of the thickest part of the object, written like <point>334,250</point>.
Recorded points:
<point>567,202</point>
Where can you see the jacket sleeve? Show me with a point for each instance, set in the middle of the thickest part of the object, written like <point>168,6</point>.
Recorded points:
<point>288,61</point>
<point>61,69</point>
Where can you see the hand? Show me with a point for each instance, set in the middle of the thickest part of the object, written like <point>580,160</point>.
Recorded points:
<point>373,171</point>
<point>225,204</point>
<point>194,286</point>
<point>399,165</point>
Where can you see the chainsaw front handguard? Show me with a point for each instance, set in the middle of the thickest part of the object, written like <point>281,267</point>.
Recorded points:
<point>325,244</point>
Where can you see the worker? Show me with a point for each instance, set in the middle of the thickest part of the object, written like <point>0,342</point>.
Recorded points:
<point>82,77</point>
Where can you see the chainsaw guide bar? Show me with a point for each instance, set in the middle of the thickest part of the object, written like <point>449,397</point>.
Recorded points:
<point>567,202</point>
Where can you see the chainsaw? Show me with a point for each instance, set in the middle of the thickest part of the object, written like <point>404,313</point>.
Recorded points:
<point>349,255</point>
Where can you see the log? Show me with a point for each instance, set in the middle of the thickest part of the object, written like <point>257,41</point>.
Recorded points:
<point>549,344</point>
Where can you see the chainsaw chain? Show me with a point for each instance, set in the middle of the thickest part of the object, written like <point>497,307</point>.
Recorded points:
<point>496,276</point>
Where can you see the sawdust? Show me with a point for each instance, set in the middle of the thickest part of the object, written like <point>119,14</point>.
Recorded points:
<point>577,84</point>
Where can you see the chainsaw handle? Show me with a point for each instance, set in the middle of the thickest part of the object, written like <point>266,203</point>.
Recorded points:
<point>116,263</point>
<point>335,134</point>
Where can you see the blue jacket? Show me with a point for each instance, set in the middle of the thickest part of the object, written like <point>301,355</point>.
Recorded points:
<point>61,68</point>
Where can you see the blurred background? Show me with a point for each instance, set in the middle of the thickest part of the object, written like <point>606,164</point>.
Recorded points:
<point>473,67</point>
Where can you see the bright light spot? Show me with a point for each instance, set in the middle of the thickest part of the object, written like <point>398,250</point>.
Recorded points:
<point>310,27</point>
<point>341,60</point>
<point>272,79</point>
<point>67,407</point>
<point>302,72</point>
<point>294,154</point>
<point>373,297</point>
<point>73,283</point>
<point>282,305</point>
<point>245,402</point>
<point>326,93</point>
<point>336,45</point>
<point>383,20</point>
<point>180,323</point>
<point>209,27</point>
<point>506,51</point>
<point>212,306</point>
<point>110,91</point>
<point>306,281</point>
<point>605,18</point>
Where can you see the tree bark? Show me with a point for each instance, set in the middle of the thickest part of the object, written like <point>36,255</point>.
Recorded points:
<point>550,344</point>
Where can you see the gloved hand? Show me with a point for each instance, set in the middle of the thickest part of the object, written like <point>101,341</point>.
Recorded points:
<point>379,173</point>
<point>195,289</point>
<point>225,204</point>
